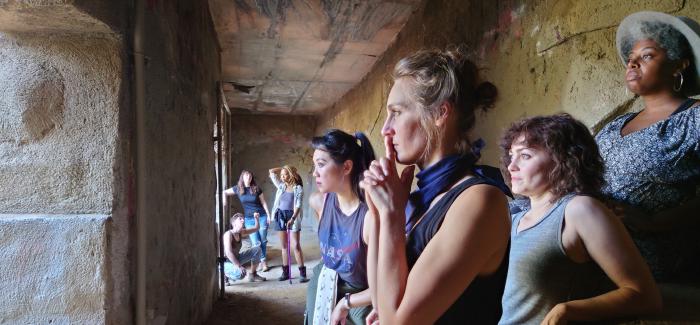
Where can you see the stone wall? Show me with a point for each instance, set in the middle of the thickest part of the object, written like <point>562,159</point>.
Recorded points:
<point>61,216</point>
<point>261,142</point>
<point>67,162</point>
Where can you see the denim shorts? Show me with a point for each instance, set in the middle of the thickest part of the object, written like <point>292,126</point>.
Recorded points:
<point>281,219</point>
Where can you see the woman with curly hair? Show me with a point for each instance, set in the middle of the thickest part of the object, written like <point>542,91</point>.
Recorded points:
<point>286,215</point>
<point>567,247</point>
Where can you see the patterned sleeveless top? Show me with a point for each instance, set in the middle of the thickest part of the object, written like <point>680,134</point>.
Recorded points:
<point>342,247</point>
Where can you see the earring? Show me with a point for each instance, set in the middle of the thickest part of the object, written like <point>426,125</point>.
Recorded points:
<point>679,86</point>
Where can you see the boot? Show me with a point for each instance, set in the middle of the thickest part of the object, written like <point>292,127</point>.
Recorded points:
<point>302,273</point>
<point>285,273</point>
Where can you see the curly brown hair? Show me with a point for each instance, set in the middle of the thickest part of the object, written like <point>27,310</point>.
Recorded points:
<point>578,166</point>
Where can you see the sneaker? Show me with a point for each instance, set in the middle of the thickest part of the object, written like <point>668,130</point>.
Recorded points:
<point>252,277</point>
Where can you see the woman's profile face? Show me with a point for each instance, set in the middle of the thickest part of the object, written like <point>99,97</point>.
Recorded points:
<point>649,69</point>
<point>402,125</point>
<point>328,175</point>
<point>529,168</point>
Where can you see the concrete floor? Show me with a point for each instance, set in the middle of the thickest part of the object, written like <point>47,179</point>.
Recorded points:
<point>272,301</point>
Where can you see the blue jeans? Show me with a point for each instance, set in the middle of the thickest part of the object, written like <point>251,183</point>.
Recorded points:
<point>259,238</point>
<point>244,257</point>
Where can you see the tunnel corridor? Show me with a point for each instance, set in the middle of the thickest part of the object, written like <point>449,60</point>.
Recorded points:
<point>121,123</point>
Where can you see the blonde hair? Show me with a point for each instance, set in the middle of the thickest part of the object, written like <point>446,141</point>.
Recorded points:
<point>296,179</point>
<point>436,76</point>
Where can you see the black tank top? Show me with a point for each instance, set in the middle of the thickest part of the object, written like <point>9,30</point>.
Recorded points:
<point>480,303</point>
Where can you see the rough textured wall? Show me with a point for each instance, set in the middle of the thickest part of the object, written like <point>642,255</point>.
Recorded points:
<point>60,175</point>
<point>261,142</point>
<point>544,56</point>
<point>58,131</point>
<point>181,72</point>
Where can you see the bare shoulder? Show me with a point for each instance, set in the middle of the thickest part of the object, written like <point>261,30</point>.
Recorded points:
<point>316,201</point>
<point>480,196</point>
<point>481,203</point>
<point>586,211</point>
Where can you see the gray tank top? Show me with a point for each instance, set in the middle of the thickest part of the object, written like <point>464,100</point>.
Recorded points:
<point>286,201</point>
<point>540,275</point>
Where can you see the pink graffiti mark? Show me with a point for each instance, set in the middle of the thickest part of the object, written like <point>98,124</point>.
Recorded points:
<point>282,138</point>
<point>508,25</point>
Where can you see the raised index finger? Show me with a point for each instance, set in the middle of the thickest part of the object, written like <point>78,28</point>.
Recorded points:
<point>389,146</point>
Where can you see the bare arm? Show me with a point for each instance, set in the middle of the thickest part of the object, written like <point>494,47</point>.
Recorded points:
<point>607,242</point>
<point>476,226</point>
<point>264,205</point>
<point>274,176</point>
<point>256,227</point>
<point>228,192</point>
<point>228,249</point>
<point>316,202</point>
<point>371,238</point>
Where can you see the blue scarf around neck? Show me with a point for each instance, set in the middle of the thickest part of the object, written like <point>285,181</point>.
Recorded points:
<point>437,178</point>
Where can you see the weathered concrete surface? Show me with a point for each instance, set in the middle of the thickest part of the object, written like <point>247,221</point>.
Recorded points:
<point>181,99</point>
<point>62,117</point>
<point>544,56</point>
<point>261,142</point>
<point>56,155</point>
<point>53,16</point>
<point>54,269</point>
<point>301,56</point>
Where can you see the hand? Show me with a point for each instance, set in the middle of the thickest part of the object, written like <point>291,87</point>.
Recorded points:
<point>372,318</point>
<point>388,192</point>
<point>256,215</point>
<point>270,219</point>
<point>340,313</point>
<point>290,223</point>
<point>556,316</point>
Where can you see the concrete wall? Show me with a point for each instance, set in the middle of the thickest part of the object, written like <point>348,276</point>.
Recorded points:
<point>544,56</point>
<point>260,142</point>
<point>61,218</point>
<point>181,73</point>
<point>67,162</point>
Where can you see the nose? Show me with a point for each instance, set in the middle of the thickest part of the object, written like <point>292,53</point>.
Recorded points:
<point>387,128</point>
<point>512,166</point>
<point>632,63</point>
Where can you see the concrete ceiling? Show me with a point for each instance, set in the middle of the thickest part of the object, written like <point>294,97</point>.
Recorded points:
<point>301,56</point>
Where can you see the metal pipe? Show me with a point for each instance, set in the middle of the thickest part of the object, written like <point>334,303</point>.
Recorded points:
<point>220,191</point>
<point>140,121</point>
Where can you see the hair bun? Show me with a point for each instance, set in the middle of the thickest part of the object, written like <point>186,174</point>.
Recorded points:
<point>485,95</point>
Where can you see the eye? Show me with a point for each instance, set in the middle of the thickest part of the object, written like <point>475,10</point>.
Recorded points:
<point>525,156</point>
<point>646,57</point>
